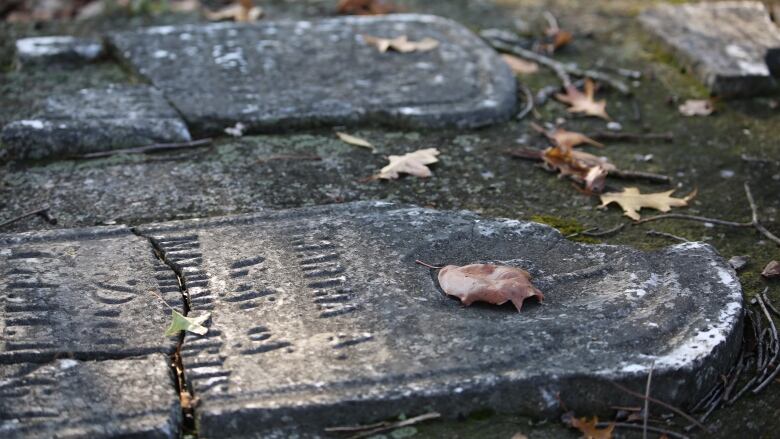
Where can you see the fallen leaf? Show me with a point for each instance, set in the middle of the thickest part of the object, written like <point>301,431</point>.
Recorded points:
<point>632,201</point>
<point>413,163</point>
<point>519,436</point>
<point>520,66</point>
<point>365,7</point>
<point>582,166</point>
<point>595,179</point>
<point>580,102</point>
<point>589,429</point>
<point>496,284</point>
<point>184,323</point>
<point>771,270</point>
<point>357,141</point>
<point>401,44</point>
<point>697,107</point>
<point>243,11</point>
<point>566,139</point>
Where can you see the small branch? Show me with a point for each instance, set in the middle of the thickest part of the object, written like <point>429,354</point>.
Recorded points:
<point>615,229</point>
<point>666,235</point>
<point>370,430</point>
<point>662,404</point>
<point>640,175</point>
<point>609,135</point>
<point>43,213</point>
<point>755,222</point>
<point>529,101</point>
<point>693,218</point>
<point>157,147</point>
<point>647,401</point>
<point>774,343</point>
<point>427,265</point>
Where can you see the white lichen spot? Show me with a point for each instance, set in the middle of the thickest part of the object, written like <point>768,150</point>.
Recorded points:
<point>68,363</point>
<point>34,124</point>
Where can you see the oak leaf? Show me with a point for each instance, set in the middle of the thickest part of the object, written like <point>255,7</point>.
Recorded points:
<point>589,429</point>
<point>696,107</point>
<point>771,270</point>
<point>413,163</point>
<point>632,201</point>
<point>496,284</point>
<point>520,66</point>
<point>401,44</point>
<point>580,102</point>
<point>564,138</point>
<point>579,165</point>
<point>357,141</point>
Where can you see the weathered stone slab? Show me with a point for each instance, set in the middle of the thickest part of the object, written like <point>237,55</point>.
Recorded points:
<point>84,294</point>
<point>727,44</point>
<point>92,120</point>
<point>67,49</point>
<point>286,74</point>
<point>78,399</point>
<point>321,317</point>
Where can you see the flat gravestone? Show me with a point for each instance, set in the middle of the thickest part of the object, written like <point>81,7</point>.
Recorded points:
<point>91,120</point>
<point>86,294</point>
<point>272,76</point>
<point>733,46</point>
<point>320,317</point>
<point>88,399</point>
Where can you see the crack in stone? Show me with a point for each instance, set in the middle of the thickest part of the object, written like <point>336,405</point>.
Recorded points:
<point>186,397</point>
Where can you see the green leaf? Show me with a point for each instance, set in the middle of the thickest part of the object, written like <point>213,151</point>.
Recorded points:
<point>183,323</point>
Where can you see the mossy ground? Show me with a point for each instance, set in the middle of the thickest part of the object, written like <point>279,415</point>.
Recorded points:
<point>474,173</point>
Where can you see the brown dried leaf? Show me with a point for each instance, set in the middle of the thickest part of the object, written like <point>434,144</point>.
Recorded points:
<point>401,44</point>
<point>413,163</point>
<point>496,284</point>
<point>697,107</point>
<point>566,139</point>
<point>357,141</point>
<point>589,429</point>
<point>242,11</point>
<point>365,7</point>
<point>582,166</point>
<point>580,102</point>
<point>632,201</point>
<point>771,270</point>
<point>520,66</point>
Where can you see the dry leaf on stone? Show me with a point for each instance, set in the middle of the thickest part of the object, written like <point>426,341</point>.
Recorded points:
<point>413,163</point>
<point>180,322</point>
<point>566,139</point>
<point>697,107</point>
<point>580,102</point>
<point>243,11</point>
<point>365,7</point>
<point>579,165</point>
<point>401,44</point>
<point>589,429</point>
<point>771,270</point>
<point>356,141</point>
<point>520,66</point>
<point>632,201</point>
<point>496,284</point>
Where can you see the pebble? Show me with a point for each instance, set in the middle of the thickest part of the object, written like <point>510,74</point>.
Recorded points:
<point>727,173</point>
<point>614,126</point>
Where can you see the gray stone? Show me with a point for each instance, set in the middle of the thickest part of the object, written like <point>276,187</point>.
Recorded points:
<point>320,316</point>
<point>272,76</point>
<point>727,44</point>
<point>85,294</point>
<point>118,116</point>
<point>78,399</point>
<point>67,49</point>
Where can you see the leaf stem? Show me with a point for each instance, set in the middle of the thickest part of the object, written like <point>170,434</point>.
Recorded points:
<point>424,264</point>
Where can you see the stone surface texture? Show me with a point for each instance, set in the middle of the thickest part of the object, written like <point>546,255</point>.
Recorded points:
<point>133,398</point>
<point>732,46</point>
<point>46,50</point>
<point>118,116</point>
<point>272,76</point>
<point>320,316</point>
<point>83,294</point>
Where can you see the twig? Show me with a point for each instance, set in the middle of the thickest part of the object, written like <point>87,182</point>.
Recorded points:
<point>693,218</point>
<point>666,235</point>
<point>145,149</point>
<point>42,212</point>
<point>647,401</point>
<point>615,229</point>
<point>755,222</point>
<point>662,404</point>
<point>529,100</point>
<point>288,157</point>
<point>499,41</point>
<point>572,235</point>
<point>768,303</point>
<point>660,178</point>
<point>370,430</point>
<point>637,427</point>
<point>163,300</point>
<point>609,135</point>
<point>774,344</point>
<point>427,265</point>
